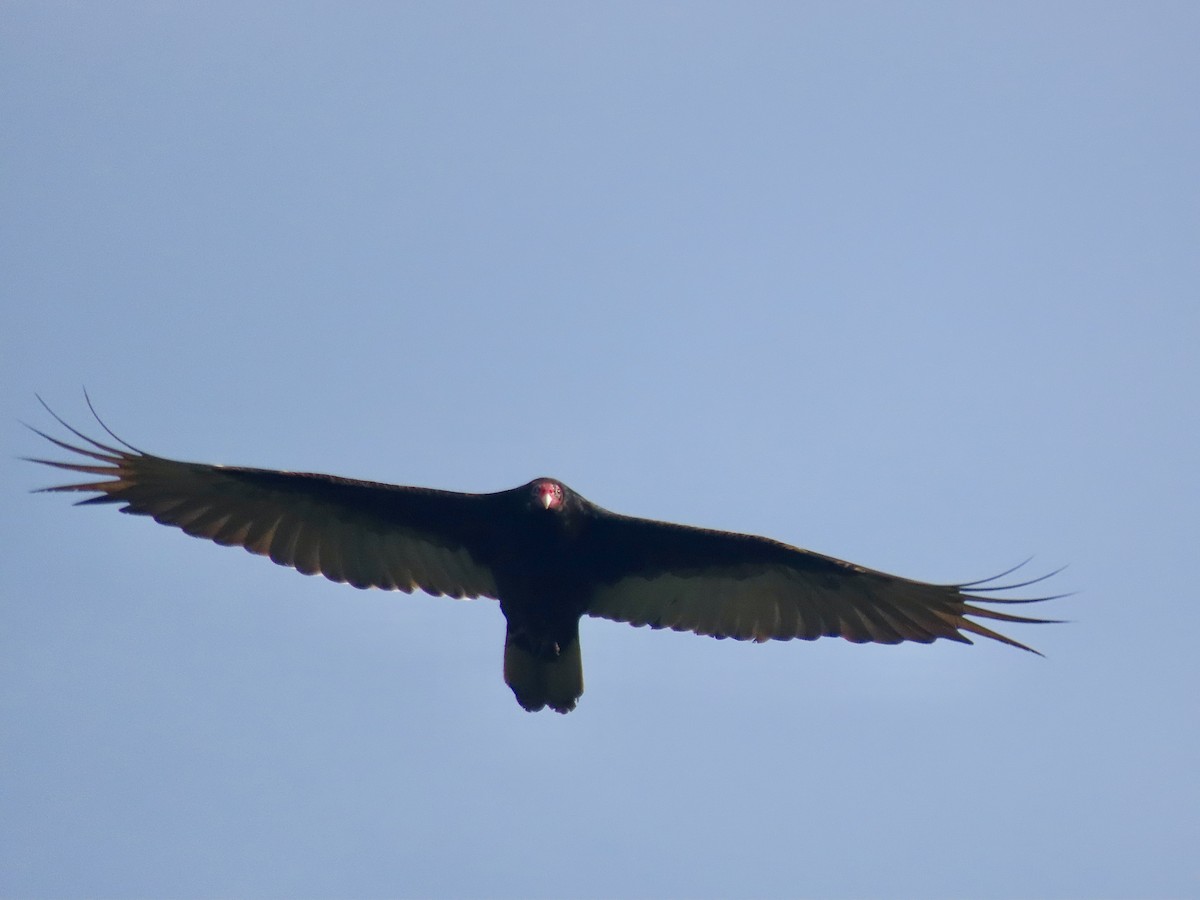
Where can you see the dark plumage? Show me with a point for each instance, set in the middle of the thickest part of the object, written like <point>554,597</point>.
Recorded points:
<point>549,555</point>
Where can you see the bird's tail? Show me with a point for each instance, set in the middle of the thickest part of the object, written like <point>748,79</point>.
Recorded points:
<point>553,677</point>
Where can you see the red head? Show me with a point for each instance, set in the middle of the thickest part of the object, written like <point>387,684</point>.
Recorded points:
<point>548,494</point>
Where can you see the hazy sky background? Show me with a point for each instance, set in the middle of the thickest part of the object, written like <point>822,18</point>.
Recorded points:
<point>914,285</point>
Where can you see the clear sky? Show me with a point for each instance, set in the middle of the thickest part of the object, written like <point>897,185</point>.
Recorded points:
<point>914,285</point>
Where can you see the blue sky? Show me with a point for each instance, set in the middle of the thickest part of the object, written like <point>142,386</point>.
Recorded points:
<point>915,286</point>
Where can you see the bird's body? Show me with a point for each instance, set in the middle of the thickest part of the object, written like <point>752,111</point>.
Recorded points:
<point>546,553</point>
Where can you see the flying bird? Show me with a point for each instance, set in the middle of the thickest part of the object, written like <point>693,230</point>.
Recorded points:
<point>546,553</point>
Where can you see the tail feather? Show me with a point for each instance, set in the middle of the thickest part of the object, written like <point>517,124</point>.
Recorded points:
<point>538,681</point>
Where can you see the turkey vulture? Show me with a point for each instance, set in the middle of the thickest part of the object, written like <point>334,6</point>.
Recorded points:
<point>546,553</point>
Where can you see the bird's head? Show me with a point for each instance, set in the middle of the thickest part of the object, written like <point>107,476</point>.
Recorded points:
<point>547,494</point>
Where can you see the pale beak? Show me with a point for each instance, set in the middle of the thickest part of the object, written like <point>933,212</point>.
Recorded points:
<point>547,499</point>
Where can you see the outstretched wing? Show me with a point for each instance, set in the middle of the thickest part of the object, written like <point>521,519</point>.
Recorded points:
<point>356,532</point>
<point>751,588</point>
